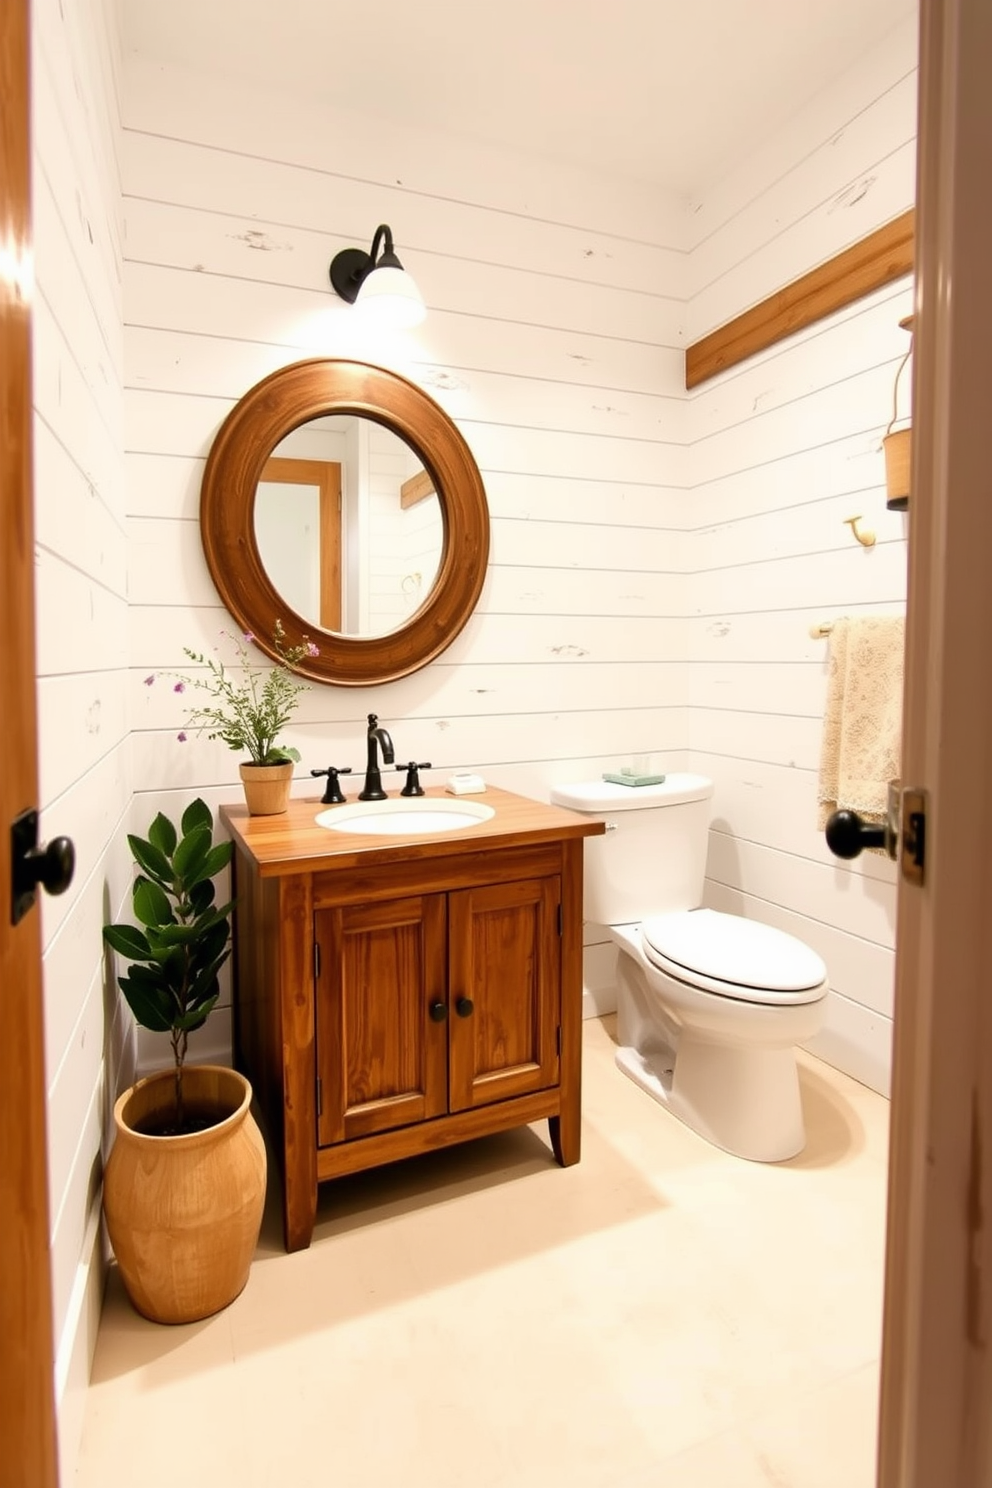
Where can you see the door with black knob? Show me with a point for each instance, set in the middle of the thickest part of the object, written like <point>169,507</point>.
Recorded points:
<point>28,1452</point>
<point>902,835</point>
<point>33,866</point>
<point>848,835</point>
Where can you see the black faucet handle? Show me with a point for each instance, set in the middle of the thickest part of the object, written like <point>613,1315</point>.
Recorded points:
<point>413,786</point>
<point>332,795</point>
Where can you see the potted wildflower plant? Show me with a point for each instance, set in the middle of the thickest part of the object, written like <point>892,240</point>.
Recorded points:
<point>249,713</point>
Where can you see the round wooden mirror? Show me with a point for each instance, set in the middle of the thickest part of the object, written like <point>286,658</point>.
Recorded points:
<point>267,414</point>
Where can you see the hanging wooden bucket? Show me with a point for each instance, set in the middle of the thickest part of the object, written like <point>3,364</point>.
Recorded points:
<point>897,448</point>
<point>896,443</point>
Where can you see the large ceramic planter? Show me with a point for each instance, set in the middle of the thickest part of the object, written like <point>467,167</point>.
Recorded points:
<point>266,788</point>
<point>183,1212</point>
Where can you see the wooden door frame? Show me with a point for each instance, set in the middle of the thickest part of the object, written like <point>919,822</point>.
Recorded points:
<point>27,1385</point>
<point>326,476</point>
<point>936,1394</point>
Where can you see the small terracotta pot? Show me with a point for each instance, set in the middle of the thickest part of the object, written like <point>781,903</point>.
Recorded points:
<point>183,1212</point>
<point>266,787</point>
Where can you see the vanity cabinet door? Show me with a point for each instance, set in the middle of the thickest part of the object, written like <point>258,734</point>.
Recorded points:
<point>381,1056</point>
<point>504,990</point>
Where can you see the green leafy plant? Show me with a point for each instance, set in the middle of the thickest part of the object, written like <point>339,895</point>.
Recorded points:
<point>249,715</point>
<point>181,939</point>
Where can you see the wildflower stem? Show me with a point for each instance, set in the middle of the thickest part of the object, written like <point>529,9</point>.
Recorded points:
<point>249,715</point>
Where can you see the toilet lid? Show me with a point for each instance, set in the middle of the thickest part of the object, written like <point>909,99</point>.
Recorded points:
<point>734,957</point>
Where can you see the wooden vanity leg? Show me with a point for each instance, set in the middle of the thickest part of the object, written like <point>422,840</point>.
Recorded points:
<point>566,1128</point>
<point>298,1216</point>
<point>299,1110</point>
<point>566,1140</point>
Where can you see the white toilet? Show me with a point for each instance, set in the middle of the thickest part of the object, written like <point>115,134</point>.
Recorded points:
<point>710,1006</point>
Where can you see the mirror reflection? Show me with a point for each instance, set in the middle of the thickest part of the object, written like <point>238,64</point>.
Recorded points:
<point>348,525</point>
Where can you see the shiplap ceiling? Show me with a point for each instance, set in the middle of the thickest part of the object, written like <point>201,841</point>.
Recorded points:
<point>672,92</point>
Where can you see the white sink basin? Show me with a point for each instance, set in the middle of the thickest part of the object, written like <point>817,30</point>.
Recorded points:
<point>405,816</point>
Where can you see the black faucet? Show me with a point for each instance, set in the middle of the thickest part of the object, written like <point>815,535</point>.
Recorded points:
<point>373,780</point>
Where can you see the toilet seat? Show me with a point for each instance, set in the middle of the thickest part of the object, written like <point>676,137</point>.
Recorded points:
<point>732,957</point>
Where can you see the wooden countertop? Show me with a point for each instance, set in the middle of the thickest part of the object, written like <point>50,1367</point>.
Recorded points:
<point>292,842</point>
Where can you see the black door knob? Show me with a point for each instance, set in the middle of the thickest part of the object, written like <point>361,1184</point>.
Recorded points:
<point>438,1011</point>
<point>464,1007</point>
<point>847,835</point>
<point>31,865</point>
<point>52,866</point>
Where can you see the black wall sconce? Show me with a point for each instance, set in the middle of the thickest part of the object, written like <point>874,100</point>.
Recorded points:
<point>377,283</point>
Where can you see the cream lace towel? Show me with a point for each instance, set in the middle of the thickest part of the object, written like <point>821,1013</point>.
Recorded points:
<point>862,723</point>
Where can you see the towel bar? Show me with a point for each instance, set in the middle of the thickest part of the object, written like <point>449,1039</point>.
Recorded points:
<point>818,632</point>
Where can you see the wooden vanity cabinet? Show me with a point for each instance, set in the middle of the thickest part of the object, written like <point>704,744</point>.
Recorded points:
<point>434,1004</point>
<point>390,1000</point>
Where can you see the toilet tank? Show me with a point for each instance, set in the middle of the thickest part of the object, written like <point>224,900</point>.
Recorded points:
<point>652,858</point>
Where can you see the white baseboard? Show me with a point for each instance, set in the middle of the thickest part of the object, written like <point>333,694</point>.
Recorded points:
<point>74,1359</point>
<point>599,979</point>
<point>857,1041</point>
<point>598,1001</point>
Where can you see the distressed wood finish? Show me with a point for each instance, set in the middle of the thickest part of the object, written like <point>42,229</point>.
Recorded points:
<point>294,1056</point>
<point>381,1058</point>
<point>280,844</point>
<point>27,1392</point>
<point>565,1126</point>
<point>402,925</point>
<point>431,1136</point>
<point>879,259</point>
<point>265,415</point>
<point>505,962</point>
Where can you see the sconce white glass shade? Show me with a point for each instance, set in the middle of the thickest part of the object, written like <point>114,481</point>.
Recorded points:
<point>390,299</point>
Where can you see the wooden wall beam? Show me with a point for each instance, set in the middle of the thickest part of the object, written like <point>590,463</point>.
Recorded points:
<point>417,488</point>
<point>878,259</point>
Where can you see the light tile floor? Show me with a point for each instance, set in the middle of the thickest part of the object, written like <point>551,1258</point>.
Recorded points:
<point>659,1316</point>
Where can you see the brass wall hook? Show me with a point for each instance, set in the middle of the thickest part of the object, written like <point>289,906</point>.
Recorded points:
<point>865,537</point>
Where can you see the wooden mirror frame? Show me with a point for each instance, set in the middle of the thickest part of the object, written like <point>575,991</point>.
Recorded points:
<point>268,412</point>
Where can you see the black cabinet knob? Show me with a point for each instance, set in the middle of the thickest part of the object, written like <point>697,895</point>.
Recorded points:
<point>438,1012</point>
<point>847,835</point>
<point>464,1007</point>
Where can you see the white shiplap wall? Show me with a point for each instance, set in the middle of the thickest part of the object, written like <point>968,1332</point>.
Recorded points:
<point>553,339</point>
<point>656,560</point>
<point>81,588</point>
<point>784,448</point>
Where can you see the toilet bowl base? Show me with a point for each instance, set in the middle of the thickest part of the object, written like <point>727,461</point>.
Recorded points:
<point>745,1101</point>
